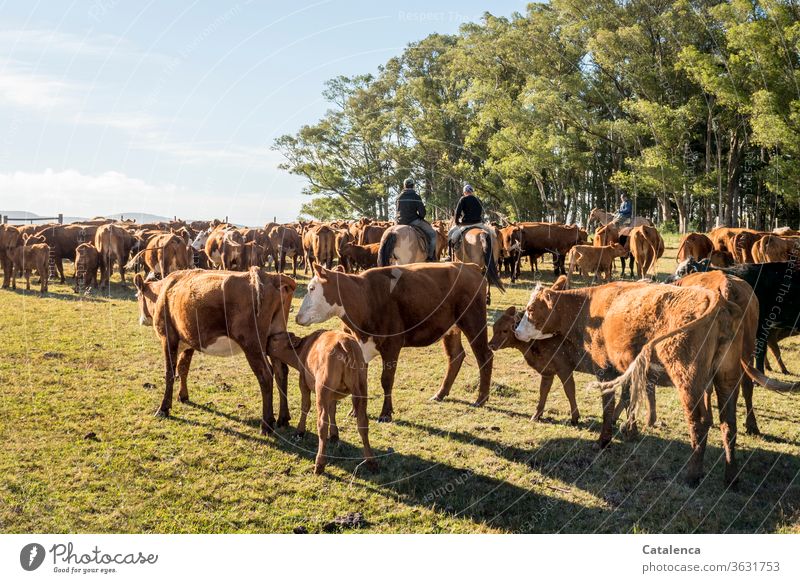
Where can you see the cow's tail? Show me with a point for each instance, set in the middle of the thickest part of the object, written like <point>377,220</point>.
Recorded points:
<point>491,266</point>
<point>763,380</point>
<point>135,259</point>
<point>635,377</point>
<point>256,288</point>
<point>386,250</point>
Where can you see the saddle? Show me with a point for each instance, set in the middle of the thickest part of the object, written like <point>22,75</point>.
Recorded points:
<point>422,238</point>
<point>456,233</point>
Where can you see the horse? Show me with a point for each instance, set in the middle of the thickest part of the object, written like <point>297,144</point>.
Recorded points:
<point>479,247</point>
<point>401,245</point>
<point>604,218</point>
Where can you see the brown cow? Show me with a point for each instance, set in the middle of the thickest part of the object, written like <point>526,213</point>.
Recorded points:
<point>355,257</point>
<point>384,309</point>
<point>331,364</point>
<point>647,247</point>
<point>771,249</point>
<point>696,245</point>
<point>319,244</point>
<point>719,258</point>
<point>223,246</point>
<point>163,254</point>
<point>252,255</point>
<point>540,238</point>
<point>738,291</point>
<point>606,235</point>
<point>10,238</point>
<point>32,254</point>
<point>549,358</point>
<point>221,314</point>
<point>510,240</point>
<point>112,243</point>
<point>286,242</point>
<point>594,259</point>
<point>87,262</point>
<point>743,243</point>
<point>688,337</point>
<point>371,233</point>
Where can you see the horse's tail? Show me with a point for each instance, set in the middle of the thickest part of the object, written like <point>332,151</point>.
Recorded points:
<point>386,250</point>
<point>491,267</point>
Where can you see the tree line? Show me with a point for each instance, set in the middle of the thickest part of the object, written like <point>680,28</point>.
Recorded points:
<point>692,107</point>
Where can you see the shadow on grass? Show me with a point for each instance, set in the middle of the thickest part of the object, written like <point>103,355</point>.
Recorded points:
<point>444,488</point>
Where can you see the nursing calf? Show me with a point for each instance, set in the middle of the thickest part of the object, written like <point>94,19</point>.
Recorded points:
<point>686,337</point>
<point>331,364</point>
<point>550,358</point>
<point>222,314</point>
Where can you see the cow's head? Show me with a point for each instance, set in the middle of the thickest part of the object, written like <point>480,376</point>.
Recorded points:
<point>200,241</point>
<point>320,301</point>
<point>503,328</point>
<point>540,321</point>
<point>690,265</point>
<point>146,295</point>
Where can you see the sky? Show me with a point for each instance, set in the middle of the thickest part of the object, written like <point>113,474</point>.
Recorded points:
<point>171,108</point>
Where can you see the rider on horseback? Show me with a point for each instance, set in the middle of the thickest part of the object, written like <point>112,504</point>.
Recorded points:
<point>469,213</point>
<point>411,211</point>
<point>625,212</point>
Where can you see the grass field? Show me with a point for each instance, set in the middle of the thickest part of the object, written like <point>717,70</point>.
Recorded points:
<point>82,452</point>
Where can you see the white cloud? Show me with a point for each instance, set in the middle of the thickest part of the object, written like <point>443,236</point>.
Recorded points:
<point>72,192</point>
<point>35,42</point>
<point>25,89</point>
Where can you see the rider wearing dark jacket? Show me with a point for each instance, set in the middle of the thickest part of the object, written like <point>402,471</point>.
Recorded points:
<point>469,210</point>
<point>411,211</point>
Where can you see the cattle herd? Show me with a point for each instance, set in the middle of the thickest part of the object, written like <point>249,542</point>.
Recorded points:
<point>214,288</point>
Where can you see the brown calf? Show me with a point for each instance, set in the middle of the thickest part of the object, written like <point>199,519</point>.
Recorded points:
<point>87,262</point>
<point>549,358</point>
<point>647,247</point>
<point>331,364</point>
<point>27,257</point>
<point>595,259</point>
<point>354,257</point>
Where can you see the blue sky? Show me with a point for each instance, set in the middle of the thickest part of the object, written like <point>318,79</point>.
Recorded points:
<point>171,107</point>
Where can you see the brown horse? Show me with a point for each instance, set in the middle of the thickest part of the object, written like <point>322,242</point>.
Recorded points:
<point>401,245</point>
<point>478,247</point>
<point>603,217</point>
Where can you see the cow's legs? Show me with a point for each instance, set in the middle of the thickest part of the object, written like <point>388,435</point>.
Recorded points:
<point>569,389</point>
<point>281,371</point>
<point>263,371</point>
<point>607,429</point>
<point>184,362</point>
<point>323,424</point>
<point>389,357</point>
<point>305,405</point>
<point>698,420</point>
<point>60,269</point>
<point>751,425</point>
<point>476,335</point>
<point>544,389</point>
<point>726,400</point>
<point>170,348</point>
<point>455,357</point>
<point>360,408</point>
<point>772,343</point>
<point>333,431</point>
